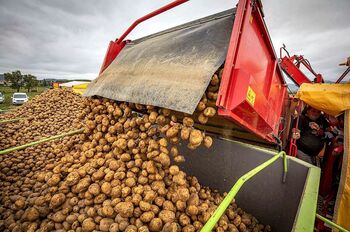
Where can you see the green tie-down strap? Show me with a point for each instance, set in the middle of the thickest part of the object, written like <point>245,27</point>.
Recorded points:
<point>41,141</point>
<point>11,120</point>
<point>210,224</point>
<point>330,223</point>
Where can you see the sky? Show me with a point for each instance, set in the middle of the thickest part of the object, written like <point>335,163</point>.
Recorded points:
<point>68,39</point>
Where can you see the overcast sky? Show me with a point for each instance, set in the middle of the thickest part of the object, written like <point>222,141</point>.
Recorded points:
<point>68,39</point>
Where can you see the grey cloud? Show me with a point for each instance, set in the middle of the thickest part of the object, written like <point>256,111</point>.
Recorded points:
<point>68,39</point>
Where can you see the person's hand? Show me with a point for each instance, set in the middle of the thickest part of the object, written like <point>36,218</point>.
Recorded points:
<point>320,132</point>
<point>314,126</point>
<point>295,133</point>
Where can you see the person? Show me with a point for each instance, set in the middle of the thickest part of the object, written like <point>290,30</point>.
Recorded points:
<point>310,134</point>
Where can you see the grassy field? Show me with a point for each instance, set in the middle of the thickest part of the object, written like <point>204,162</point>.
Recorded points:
<point>8,92</point>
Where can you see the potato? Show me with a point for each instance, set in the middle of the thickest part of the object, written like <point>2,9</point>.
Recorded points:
<point>201,106</point>
<point>209,112</point>
<point>121,143</point>
<point>106,188</point>
<point>149,196</point>
<point>179,179</point>
<point>88,225</point>
<point>202,118</point>
<point>174,151</point>
<point>168,205</point>
<point>189,228</point>
<point>156,224</point>
<point>20,203</point>
<point>147,216</point>
<point>164,159</point>
<point>188,122</point>
<point>72,178</point>
<point>208,141</point>
<point>185,133</point>
<point>71,218</point>
<point>144,206</point>
<point>179,159</point>
<point>59,217</point>
<point>167,216</point>
<point>196,137</point>
<point>32,214</point>
<point>173,170</point>
<point>114,227</point>
<point>57,200</point>
<point>166,112</point>
<point>107,211</point>
<point>171,226</point>
<point>237,220</point>
<point>153,116</point>
<point>113,165</point>
<point>214,80</point>
<point>172,132</point>
<point>54,180</point>
<point>125,209</point>
<point>83,184</point>
<point>192,210</point>
<point>232,228</point>
<point>242,227</point>
<point>163,142</point>
<point>94,189</point>
<point>161,120</point>
<point>130,182</point>
<point>143,229</point>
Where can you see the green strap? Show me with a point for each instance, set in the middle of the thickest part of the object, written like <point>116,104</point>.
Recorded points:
<point>285,167</point>
<point>210,224</point>
<point>11,120</point>
<point>41,141</point>
<point>329,222</point>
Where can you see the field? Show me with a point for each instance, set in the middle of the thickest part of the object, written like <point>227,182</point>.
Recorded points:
<point>8,92</point>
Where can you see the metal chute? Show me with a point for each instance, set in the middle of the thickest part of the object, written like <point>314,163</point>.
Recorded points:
<point>170,69</point>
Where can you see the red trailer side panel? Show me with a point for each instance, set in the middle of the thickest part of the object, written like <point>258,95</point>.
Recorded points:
<point>252,90</point>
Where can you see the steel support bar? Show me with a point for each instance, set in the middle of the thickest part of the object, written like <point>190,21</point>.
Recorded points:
<point>41,141</point>
<point>150,15</point>
<point>296,75</point>
<point>210,224</point>
<point>332,224</point>
<point>343,75</point>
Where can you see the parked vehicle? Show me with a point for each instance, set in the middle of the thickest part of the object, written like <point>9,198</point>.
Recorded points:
<point>2,97</point>
<point>19,98</point>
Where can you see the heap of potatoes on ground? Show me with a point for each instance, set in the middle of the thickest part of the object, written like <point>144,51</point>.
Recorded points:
<point>120,174</point>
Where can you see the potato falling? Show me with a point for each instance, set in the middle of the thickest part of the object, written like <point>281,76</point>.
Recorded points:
<point>119,175</point>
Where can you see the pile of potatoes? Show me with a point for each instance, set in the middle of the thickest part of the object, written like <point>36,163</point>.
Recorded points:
<point>119,175</point>
<point>50,113</point>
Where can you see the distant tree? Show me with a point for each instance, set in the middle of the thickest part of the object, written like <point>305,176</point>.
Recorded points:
<point>15,78</point>
<point>44,83</point>
<point>30,82</point>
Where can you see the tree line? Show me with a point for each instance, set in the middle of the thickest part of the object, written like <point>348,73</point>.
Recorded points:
<point>18,80</point>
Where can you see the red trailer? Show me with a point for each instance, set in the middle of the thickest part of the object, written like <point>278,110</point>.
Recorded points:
<point>252,91</point>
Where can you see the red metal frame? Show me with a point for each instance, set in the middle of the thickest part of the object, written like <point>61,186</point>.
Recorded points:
<point>116,46</point>
<point>291,65</point>
<point>347,63</point>
<point>252,90</point>
<point>112,52</point>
